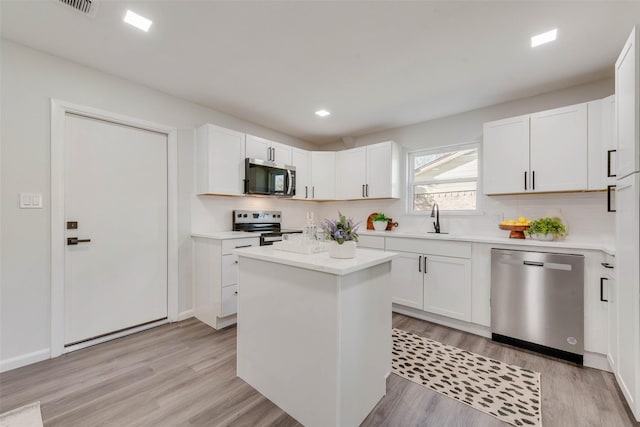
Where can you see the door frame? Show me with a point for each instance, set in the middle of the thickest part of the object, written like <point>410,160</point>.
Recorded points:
<point>59,109</point>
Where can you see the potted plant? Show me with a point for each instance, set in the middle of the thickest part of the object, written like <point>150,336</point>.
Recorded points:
<point>342,234</point>
<point>380,222</point>
<point>546,229</point>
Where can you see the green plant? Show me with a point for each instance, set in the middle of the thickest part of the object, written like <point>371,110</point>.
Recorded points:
<point>543,226</point>
<point>380,217</point>
<point>342,230</point>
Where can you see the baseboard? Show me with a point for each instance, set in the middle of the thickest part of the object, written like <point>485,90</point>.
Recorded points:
<point>472,328</point>
<point>596,360</point>
<point>25,359</point>
<point>187,314</point>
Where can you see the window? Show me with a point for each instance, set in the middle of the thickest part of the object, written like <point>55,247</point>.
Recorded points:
<point>447,176</point>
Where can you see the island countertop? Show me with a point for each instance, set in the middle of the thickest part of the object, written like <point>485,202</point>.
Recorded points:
<point>364,258</point>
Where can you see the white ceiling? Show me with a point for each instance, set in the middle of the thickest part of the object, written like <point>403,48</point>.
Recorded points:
<point>375,65</point>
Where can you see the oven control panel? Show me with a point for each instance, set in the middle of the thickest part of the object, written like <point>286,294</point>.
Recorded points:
<point>257,217</point>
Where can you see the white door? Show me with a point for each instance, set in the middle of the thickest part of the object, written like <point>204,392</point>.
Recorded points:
<point>301,159</point>
<point>380,170</point>
<point>280,153</point>
<point>558,148</point>
<point>323,175</point>
<point>115,186</point>
<point>627,99</point>
<point>505,148</point>
<point>447,287</point>
<point>406,279</point>
<point>351,173</point>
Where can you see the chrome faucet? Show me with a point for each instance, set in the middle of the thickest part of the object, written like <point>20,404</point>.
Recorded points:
<point>435,213</point>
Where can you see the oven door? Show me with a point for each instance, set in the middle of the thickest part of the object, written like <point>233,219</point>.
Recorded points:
<point>268,178</point>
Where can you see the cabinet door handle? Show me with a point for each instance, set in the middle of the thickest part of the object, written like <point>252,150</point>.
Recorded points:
<point>609,188</point>
<point>609,174</point>
<point>367,192</point>
<point>606,265</point>
<point>425,265</point>
<point>525,180</point>
<point>420,264</point>
<point>533,180</point>
<point>363,190</point>
<point>235,293</point>
<point>243,246</point>
<point>306,192</point>
<point>602,279</point>
<point>313,191</point>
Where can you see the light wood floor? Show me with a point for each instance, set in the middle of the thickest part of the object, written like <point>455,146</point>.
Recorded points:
<point>183,374</point>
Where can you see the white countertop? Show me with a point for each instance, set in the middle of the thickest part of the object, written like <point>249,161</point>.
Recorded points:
<point>224,235</point>
<point>568,243</point>
<point>364,259</point>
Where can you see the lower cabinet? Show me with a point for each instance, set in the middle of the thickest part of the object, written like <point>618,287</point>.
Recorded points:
<point>216,279</point>
<point>437,280</point>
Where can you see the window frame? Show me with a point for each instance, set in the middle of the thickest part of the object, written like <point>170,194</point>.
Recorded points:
<point>410,183</point>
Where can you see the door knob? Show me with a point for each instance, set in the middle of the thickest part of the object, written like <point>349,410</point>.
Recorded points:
<point>75,241</point>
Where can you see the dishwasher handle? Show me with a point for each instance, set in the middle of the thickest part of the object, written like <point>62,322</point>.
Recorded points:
<point>533,263</point>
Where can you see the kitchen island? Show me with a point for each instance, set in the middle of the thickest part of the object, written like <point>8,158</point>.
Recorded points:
<point>314,333</point>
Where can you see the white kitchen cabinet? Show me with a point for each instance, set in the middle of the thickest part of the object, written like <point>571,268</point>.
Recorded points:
<point>216,279</point>
<point>407,280</point>
<point>219,161</point>
<point>602,143</point>
<point>323,175</point>
<point>439,271</point>
<point>301,159</point>
<point>558,149</point>
<point>351,173</point>
<point>596,307</point>
<point>447,286</point>
<point>610,293</point>
<point>628,289</point>
<point>505,156</point>
<point>264,149</point>
<point>383,170</point>
<point>368,172</point>
<point>541,152</point>
<point>627,100</point>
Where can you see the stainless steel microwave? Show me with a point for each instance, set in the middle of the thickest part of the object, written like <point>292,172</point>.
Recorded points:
<point>269,178</point>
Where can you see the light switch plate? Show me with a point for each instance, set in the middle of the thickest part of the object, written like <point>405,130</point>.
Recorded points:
<point>30,201</point>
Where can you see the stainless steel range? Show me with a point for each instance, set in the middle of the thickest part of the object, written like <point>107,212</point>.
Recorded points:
<point>267,223</point>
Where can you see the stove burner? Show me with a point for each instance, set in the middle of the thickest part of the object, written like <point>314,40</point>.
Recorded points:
<point>265,222</point>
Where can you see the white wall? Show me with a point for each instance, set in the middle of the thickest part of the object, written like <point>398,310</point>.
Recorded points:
<point>29,79</point>
<point>585,212</point>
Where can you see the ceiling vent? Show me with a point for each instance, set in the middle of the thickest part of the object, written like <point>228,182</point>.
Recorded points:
<point>86,7</point>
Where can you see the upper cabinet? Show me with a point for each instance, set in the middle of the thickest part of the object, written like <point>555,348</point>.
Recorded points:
<point>541,152</point>
<point>323,175</point>
<point>301,159</point>
<point>372,171</point>
<point>558,149</point>
<point>219,161</point>
<point>505,158</point>
<point>602,143</point>
<point>627,102</point>
<point>263,149</point>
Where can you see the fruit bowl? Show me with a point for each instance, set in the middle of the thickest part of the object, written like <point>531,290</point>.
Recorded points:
<point>517,231</point>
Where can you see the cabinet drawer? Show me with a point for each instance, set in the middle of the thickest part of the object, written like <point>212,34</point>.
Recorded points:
<point>229,273</point>
<point>229,300</point>
<point>231,244</point>
<point>372,242</point>
<point>429,246</point>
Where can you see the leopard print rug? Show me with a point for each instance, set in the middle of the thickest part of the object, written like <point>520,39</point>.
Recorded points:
<point>509,393</point>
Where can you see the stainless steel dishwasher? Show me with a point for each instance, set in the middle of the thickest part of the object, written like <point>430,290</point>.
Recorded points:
<point>537,302</point>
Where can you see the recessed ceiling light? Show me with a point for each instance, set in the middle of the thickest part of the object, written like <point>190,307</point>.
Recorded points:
<point>322,113</point>
<point>543,38</point>
<point>137,21</point>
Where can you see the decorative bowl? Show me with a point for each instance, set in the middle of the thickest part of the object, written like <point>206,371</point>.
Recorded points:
<point>517,231</point>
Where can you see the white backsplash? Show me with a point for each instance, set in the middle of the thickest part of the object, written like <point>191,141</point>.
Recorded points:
<point>585,213</point>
